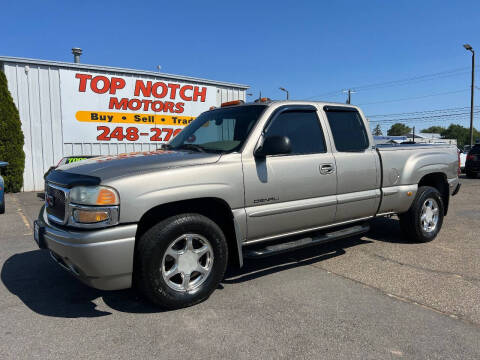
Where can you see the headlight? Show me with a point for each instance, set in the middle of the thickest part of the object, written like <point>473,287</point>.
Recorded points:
<point>94,195</point>
<point>93,207</point>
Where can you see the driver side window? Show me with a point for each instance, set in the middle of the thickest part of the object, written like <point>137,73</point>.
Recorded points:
<point>302,128</point>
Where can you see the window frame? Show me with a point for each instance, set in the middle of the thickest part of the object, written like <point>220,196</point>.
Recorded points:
<point>332,108</point>
<point>289,108</point>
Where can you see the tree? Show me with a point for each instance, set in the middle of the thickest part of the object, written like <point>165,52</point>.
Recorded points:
<point>377,131</point>
<point>434,130</point>
<point>462,134</point>
<point>398,129</point>
<point>11,139</point>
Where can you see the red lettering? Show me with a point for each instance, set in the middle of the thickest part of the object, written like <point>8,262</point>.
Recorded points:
<point>155,89</point>
<point>137,105</point>
<point>173,90</point>
<point>104,135</point>
<point>179,107</point>
<point>83,81</point>
<point>168,106</point>
<point>140,86</point>
<point>117,83</point>
<point>119,105</point>
<point>157,106</point>
<point>202,93</point>
<point>145,104</point>
<point>94,84</point>
<point>182,92</point>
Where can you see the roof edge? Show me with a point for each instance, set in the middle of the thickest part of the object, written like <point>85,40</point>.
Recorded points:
<point>12,59</point>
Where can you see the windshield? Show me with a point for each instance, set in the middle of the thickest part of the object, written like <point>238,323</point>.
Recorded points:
<point>219,130</point>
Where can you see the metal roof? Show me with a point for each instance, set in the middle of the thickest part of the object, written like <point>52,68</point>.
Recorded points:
<point>61,64</point>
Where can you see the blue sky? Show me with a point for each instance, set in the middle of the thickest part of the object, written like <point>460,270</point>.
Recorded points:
<point>313,48</point>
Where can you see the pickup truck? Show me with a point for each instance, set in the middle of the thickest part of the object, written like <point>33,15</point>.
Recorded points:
<point>242,180</point>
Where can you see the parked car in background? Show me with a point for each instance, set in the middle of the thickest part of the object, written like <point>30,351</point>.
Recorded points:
<point>463,158</point>
<point>2,189</point>
<point>472,164</point>
<point>467,148</point>
<point>69,160</point>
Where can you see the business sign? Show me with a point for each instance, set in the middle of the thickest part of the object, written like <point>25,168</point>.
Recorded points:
<point>109,108</point>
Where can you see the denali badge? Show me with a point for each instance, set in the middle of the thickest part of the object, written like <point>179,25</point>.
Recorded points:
<point>271,198</point>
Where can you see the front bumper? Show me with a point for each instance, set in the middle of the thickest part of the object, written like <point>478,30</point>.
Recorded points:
<point>101,258</point>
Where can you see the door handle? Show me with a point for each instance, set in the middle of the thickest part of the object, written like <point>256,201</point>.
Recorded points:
<point>326,169</point>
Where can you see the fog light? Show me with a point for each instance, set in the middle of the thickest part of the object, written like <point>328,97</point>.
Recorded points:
<point>88,216</point>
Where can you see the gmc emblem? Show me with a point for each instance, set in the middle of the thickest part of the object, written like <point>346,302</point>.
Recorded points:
<point>50,200</point>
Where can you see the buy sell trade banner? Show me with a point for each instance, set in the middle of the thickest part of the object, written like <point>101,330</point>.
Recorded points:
<point>109,108</point>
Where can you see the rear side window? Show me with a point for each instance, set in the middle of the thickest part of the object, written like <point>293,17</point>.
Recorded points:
<point>348,131</point>
<point>302,128</point>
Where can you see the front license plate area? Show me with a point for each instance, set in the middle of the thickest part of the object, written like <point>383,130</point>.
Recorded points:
<point>38,232</point>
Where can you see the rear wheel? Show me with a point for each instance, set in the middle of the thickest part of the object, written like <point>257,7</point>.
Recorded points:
<point>423,221</point>
<point>2,206</point>
<point>181,260</point>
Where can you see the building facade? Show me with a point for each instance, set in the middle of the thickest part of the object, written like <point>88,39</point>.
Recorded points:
<point>72,109</point>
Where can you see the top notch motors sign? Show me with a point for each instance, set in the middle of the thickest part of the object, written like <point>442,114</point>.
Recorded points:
<point>107,108</point>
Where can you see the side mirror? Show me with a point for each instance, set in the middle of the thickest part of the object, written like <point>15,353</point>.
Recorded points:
<point>274,145</point>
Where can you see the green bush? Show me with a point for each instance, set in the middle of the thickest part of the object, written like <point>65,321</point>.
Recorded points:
<point>11,139</point>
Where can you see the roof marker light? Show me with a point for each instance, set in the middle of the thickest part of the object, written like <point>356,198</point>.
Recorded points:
<point>232,103</point>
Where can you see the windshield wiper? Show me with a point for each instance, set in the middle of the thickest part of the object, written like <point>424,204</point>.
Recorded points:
<point>192,147</point>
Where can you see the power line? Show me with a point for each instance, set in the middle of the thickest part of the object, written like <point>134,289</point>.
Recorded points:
<point>428,118</point>
<point>421,112</point>
<point>416,97</point>
<point>414,79</point>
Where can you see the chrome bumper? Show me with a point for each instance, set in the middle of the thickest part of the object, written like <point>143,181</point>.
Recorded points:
<point>102,259</point>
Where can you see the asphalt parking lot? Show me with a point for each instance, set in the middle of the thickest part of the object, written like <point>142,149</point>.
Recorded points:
<point>375,297</point>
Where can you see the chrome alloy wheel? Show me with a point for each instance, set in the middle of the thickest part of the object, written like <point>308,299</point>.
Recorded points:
<point>429,215</point>
<point>187,262</point>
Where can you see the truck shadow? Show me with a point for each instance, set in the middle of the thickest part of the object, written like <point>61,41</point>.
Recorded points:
<point>387,230</point>
<point>255,268</point>
<point>48,290</point>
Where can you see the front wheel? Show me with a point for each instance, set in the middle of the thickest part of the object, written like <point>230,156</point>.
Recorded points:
<point>181,260</point>
<point>423,221</point>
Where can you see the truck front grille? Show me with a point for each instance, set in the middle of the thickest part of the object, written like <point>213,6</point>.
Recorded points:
<point>55,203</point>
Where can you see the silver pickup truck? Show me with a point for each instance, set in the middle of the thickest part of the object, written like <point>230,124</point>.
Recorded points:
<point>242,180</point>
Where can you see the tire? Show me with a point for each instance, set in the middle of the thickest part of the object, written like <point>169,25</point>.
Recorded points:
<point>2,207</point>
<point>411,222</point>
<point>470,174</point>
<point>164,250</point>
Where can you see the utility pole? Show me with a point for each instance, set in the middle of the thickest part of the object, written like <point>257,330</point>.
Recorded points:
<point>349,95</point>
<point>469,48</point>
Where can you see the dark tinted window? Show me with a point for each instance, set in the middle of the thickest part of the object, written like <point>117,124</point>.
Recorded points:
<point>302,128</point>
<point>348,130</point>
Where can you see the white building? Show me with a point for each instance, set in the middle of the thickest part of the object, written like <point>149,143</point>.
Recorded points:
<point>430,138</point>
<point>69,109</point>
